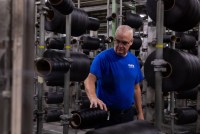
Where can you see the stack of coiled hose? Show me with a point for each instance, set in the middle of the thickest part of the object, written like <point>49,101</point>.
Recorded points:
<point>80,22</point>
<point>90,43</point>
<point>179,15</point>
<point>185,115</point>
<point>182,70</point>
<point>132,20</point>
<point>53,65</point>
<point>63,6</point>
<point>88,118</point>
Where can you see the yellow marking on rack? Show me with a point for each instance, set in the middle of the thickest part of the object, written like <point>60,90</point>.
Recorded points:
<point>159,45</point>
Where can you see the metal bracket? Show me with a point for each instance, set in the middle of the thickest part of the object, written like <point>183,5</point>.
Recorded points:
<point>70,60</point>
<point>37,113</point>
<point>65,119</point>
<point>158,65</point>
<point>42,9</point>
<point>45,10</point>
<point>6,94</point>
<point>172,115</point>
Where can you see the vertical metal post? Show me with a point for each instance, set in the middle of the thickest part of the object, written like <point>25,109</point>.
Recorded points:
<point>67,75</point>
<point>37,27</point>
<point>172,105</point>
<point>78,90</point>
<point>41,46</point>
<point>114,22</point>
<point>172,99</point>
<point>159,55</point>
<point>108,13</point>
<point>79,3</point>
<point>40,51</point>
<point>199,42</point>
<point>133,8</point>
<point>22,75</point>
<point>198,95</point>
<point>120,12</point>
<point>6,93</point>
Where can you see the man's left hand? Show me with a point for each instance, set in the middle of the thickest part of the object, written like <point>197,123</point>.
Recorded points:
<point>140,116</point>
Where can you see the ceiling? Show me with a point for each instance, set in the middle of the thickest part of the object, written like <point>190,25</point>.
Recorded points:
<point>98,9</point>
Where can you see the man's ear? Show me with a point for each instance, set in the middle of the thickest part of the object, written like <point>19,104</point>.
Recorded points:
<point>132,42</point>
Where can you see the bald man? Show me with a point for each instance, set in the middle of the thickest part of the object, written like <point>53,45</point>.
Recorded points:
<point>117,73</point>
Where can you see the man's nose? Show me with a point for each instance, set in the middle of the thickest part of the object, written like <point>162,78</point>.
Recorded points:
<point>120,44</point>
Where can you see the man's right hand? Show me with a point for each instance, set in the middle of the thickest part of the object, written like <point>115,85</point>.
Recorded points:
<point>95,102</point>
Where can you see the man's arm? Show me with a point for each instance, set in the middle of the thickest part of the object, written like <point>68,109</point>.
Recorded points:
<point>91,92</point>
<point>138,102</point>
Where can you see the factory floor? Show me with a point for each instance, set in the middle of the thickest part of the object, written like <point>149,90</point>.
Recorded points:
<point>56,128</point>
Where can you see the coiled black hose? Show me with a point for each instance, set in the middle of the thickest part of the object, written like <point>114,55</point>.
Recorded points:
<point>93,24</point>
<point>53,65</point>
<point>53,97</point>
<point>168,38</point>
<point>88,118</point>
<point>63,6</point>
<point>132,20</point>
<point>179,15</point>
<point>185,115</point>
<point>189,94</point>
<point>52,115</point>
<point>183,70</point>
<point>79,22</point>
<point>137,43</point>
<point>111,17</point>
<point>90,43</point>
<point>185,41</point>
<point>57,43</point>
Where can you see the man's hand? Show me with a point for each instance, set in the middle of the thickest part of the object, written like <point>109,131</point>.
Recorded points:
<point>95,102</point>
<point>140,116</point>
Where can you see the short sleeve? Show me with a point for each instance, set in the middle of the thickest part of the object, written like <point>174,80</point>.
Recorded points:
<point>95,67</point>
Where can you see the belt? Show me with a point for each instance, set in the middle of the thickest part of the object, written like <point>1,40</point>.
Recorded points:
<point>117,111</point>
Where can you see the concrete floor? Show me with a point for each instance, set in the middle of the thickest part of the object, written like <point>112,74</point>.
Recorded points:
<point>56,128</point>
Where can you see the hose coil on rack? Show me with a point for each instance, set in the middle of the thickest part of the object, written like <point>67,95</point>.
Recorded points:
<point>182,70</point>
<point>52,115</point>
<point>185,115</point>
<point>132,20</point>
<point>179,15</point>
<point>57,42</point>
<point>63,6</point>
<point>57,22</point>
<point>53,65</point>
<point>93,24</point>
<point>87,118</point>
<point>137,43</point>
<point>188,94</point>
<point>53,97</point>
<point>169,38</point>
<point>185,41</point>
<point>90,43</point>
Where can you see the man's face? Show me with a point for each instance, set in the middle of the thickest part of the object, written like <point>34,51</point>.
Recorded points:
<point>122,43</point>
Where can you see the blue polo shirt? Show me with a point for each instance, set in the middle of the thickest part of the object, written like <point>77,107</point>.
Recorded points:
<point>116,77</point>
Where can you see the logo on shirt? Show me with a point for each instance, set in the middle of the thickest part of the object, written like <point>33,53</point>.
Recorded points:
<point>130,65</point>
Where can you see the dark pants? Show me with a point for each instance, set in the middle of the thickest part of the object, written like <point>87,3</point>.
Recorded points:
<point>117,117</point>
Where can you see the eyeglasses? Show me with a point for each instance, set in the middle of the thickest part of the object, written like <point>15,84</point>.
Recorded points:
<point>122,42</point>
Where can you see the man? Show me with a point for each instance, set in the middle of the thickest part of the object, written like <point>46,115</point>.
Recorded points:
<point>117,73</point>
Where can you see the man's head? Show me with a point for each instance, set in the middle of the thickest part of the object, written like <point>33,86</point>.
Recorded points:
<point>123,39</point>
